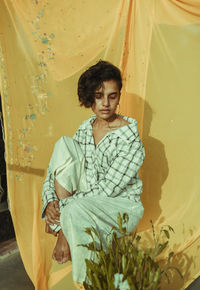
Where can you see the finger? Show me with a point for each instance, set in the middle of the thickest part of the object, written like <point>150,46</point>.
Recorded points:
<point>50,221</point>
<point>56,206</point>
<point>56,203</point>
<point>53,213</point>
<point>52,216</point>
<point>53,219</point>
<point>48,230</point>
<point>57,215</point>
<point>57,222</point>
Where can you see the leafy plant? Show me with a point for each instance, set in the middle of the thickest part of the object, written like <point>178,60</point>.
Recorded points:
<point>123,263</point>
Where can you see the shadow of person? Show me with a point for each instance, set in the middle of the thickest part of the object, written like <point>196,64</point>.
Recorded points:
<point>155,170</point>
<point>154,173</point>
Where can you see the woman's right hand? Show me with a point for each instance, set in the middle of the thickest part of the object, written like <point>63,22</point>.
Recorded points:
<point>52,213</point>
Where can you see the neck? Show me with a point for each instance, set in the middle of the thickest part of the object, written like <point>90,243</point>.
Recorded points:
<point>105,123</point>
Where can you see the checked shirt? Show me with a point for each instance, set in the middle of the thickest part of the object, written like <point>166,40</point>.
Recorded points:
<point>111,167</point>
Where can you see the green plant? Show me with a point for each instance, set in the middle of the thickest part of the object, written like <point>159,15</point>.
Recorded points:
<point>123,263</point>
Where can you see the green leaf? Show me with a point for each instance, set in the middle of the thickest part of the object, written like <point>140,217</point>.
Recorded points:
<point>128,266</point>
<point>96,233</point>
<point>153,231</point>
<point>110,271</point>
<point>138,238</point>
<point>150,276</point>
<point>98,236</point>
<point>89,264</point>
<point>88,231</point>
<point>125,218</point>
<point>166,233</point>
<point>160,248</point>
<point>90,246</point>
<point>157,275</point>
<point>98,283</point>
<point>123,262</point>
<point>132,284</point>
<point>132,236</point>
<point>171,229</point>
<point>119,220</point>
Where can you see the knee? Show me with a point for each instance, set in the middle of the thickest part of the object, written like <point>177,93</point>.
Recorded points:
<point>135,218</point>
<point>70,213</point>
<point>76,214</point>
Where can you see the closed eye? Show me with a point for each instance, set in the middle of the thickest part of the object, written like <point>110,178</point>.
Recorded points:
<point>113,96</point>
<point>98,95</point>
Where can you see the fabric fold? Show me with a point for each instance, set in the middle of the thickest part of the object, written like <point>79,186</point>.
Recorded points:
<point>67,165</point>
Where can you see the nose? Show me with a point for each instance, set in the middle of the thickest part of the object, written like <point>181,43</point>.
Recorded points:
<point>105,102</point>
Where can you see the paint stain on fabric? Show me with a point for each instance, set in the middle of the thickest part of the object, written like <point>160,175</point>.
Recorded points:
<point>44,40</point>
<point>33,116</point>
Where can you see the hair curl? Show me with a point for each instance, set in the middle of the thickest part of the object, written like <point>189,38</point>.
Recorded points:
<point>93,78</point>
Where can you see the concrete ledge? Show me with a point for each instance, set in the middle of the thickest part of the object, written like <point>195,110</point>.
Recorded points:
<point>8,248</point>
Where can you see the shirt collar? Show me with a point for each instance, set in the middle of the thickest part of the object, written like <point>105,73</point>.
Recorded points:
<point>128,132</point>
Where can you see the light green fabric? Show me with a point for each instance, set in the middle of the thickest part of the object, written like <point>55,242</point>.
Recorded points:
<point>97,211</point>
<point>68,163</point>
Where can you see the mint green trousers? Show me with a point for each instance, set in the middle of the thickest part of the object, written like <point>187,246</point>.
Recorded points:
<point>99,212</point>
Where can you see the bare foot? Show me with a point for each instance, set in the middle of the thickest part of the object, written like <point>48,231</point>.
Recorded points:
<point>61,252</point>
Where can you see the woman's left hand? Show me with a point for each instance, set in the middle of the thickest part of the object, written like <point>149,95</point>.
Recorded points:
<point>48,230</point>
<point>52,213</point>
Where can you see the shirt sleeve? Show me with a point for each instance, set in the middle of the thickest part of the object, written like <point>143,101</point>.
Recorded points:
<point>76,136</point>
<point>48,192</point>
<point>122,170</point>
<point>48,195</point>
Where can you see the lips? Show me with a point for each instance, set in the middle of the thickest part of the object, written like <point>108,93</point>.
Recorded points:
<point>104,111</point>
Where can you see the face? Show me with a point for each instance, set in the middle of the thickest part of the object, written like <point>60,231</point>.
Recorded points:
<point>106,99</point>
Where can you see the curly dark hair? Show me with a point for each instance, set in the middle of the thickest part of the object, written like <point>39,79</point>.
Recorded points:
<point>93,78</point>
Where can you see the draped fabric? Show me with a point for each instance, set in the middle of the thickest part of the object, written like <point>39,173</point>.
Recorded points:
<point>44,47</point>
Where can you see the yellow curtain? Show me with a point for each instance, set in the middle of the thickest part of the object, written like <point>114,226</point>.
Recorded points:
<point>45,46</point>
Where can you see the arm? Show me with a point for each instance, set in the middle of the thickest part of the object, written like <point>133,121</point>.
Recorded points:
<point>120,173</point>
<point>48,192</point>
<point>50,210</point>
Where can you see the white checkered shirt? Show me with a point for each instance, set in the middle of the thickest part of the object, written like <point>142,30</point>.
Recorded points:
<point>111,167</point>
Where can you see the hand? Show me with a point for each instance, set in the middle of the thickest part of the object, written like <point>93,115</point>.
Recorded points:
<point>48,230</point>
<point>52,213</point>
